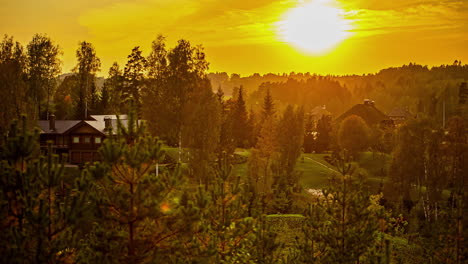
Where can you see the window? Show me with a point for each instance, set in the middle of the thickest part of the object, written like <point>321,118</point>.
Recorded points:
<point>87,140</point>
<point>76,139</point>
<point>97,140</point>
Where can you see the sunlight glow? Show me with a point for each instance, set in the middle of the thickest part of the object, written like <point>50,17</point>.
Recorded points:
<point>314,27</point>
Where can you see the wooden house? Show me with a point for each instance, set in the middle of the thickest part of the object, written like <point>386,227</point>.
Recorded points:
<point>80,139</point>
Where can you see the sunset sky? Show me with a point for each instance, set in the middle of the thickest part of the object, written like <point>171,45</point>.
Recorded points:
<point>254,36</point>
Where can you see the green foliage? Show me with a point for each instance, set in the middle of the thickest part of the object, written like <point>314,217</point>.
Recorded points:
<point>340,227</point>
<point>134,76</point>
<point>324,128</point>
<point>42,211</point>
<point>268,107</point>
<point>13,83</point>
<point>86,68</point>
<point>136,207</point>
<point>44,66</point>
<point>353,135</point>
<point>240,129</point>
<point>290,137</point>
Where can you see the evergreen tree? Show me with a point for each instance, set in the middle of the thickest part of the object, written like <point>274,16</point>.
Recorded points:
<point>137,205</point>
<point>228,235</point>
<point>134,75</point>
<point>43,209</point>
<point>340,227</point>
<point>112,95</point>
<point>268,107</point>
<point>240,121</point>
<point>252,128</point>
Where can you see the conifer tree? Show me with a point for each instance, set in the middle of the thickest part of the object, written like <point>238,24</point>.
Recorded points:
<point>240,120</point>
<point>340,227</point>
<point>134,76</point>
<point>228,232</point>
<point>138,210</point>
<point>43,209</point>
<point>268,107</point>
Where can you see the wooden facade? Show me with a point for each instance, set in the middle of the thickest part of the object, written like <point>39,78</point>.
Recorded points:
<point>79,139</point>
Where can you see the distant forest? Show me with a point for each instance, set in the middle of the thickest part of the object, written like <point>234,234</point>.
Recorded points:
<point>420,89</point>
<point>218,168</point>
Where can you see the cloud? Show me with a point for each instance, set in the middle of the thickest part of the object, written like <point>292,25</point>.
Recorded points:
<point>208,21</point>
<point>414,16</point>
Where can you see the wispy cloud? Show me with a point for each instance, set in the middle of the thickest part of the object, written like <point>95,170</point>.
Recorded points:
<point>413,16</point>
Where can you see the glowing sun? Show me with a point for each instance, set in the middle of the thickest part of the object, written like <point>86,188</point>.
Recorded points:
<point>315,26</point>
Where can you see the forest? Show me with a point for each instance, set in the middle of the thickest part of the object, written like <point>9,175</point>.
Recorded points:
<point>219,168</point>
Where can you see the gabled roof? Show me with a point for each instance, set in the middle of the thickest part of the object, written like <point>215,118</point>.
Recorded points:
<point>101,125</point>
<point>61,126</point>
<point>64,126</point>
<point>366,111</point>
<point>113,117</point>
<point>319,111</point>
<point>400,112</point>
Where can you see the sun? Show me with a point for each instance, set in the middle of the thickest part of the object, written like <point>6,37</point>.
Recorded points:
<point>314,27</point>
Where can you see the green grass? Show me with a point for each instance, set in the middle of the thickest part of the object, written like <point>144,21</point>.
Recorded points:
<point>314,170</point>
<point>375,167</point>
<point>174,153</point>
<point>241,169</point>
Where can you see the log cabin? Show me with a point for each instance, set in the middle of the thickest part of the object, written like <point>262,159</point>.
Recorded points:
<point>79,139</point>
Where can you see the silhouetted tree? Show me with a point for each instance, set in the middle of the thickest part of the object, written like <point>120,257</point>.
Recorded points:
<point>43,68</point>
<point>134,75</point>
<point>240,121</point>
<point>353,135</point>
<point>86,68</point>
<point>13,84</point>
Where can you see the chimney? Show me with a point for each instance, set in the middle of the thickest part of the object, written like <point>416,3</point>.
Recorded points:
<point>107,123</point>
<point>52,122</point>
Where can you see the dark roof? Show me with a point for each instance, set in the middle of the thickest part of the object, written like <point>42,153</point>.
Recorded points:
<point>368,112</point>
<point>400,112</point>
<point>319,111</point>
<point>61,126</point>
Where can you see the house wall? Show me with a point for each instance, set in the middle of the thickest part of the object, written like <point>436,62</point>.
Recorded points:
<point>81,144</point>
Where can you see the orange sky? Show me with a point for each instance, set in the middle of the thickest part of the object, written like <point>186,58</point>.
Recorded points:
<point>242,35</point>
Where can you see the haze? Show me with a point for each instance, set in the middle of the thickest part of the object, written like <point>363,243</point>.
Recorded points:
<point>242,36</point>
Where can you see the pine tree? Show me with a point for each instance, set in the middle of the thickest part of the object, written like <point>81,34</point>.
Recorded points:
<point>134,75</point>
<point>229,233</point>
<point>137,205</point>
<point>43,209</point>
<point>240,120</point>
<point>340,227</point>
<point>268,107</point>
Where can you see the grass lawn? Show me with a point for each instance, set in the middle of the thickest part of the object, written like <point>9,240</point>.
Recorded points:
<point>315,170</point>
<point>241,169</point>
<point>375,167</point>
